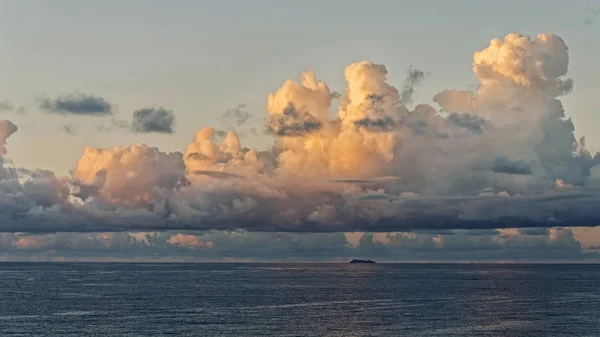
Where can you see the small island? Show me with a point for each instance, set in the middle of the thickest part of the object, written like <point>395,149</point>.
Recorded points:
<point>361,261</point>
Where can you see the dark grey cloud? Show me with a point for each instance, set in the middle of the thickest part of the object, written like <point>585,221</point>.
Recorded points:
<point>534,231</point>
<point>380,122</point>
<point>370,181</point>
<point>149,120</point>
<point>68,128</point>
<point>467,121</point>
<point>564,86</point>
<point>292,123</point>
<point>191,209</point>
<point>157,119</point>
<point>383,124</point>
<point>505,165</point>
<point>239,115</point>
<point>240,120</point>
<point>77,103</point>
<point>220,134</point>
<point>413,78</point>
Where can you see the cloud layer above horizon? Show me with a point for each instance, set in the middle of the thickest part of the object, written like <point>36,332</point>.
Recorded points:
<point>539,244</point>
<point>502,156</point>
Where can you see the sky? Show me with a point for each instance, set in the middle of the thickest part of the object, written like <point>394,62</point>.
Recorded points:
<point>395,130</point>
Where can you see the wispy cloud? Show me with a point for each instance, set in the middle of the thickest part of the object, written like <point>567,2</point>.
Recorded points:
<point>592,15</point>
<point>68,128</point>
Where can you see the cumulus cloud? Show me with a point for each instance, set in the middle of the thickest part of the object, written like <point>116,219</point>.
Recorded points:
<point>293,122</point>
<point>298,109</point>
<point>77,103</point>
<point>539,63</point>
<point>486,159</point>
<point>133,175</point>
<point>156,119</point>
<point>7,128</point>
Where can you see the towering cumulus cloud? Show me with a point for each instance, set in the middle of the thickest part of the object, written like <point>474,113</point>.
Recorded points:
<point>503,156</point>
<point>299,109</point>
<point>130,176</point>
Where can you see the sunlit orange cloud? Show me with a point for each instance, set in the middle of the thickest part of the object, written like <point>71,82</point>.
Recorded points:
<point>502,151</point>
<point>189,241</point>
<point>28,242</point>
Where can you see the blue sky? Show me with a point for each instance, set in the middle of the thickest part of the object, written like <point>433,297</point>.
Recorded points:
<point>200,58</point>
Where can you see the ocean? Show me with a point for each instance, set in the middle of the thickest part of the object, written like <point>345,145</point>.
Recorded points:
<point>210,299</point>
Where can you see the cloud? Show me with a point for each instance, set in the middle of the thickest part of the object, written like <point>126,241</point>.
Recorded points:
<point>189,241</point>
<point>241,121</point>
<point>7,128</point>
<point>148,120</point>
<point>329,171</point>
<point>156,119</point>
<point>113,124</point>
<point>379,121</point>
<point>77,103</point>
<point>298,109</point>
<point>592,15</point>
<point>507,244</point>
<point>541,63</point>
<point>504,165</point>
<point>217,174</point>
<point>68,128</point>
<point>414,77</point>
<point>473,123</point>
<point>132,175</point>
<point>383,181</point>
<point>292,122</point>
<point>6,106</point>
<point>238,114</point>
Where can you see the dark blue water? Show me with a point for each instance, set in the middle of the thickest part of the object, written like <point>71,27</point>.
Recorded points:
<point>65,299</point>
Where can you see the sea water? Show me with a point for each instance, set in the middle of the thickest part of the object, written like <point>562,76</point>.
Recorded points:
<point>150,299</point>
